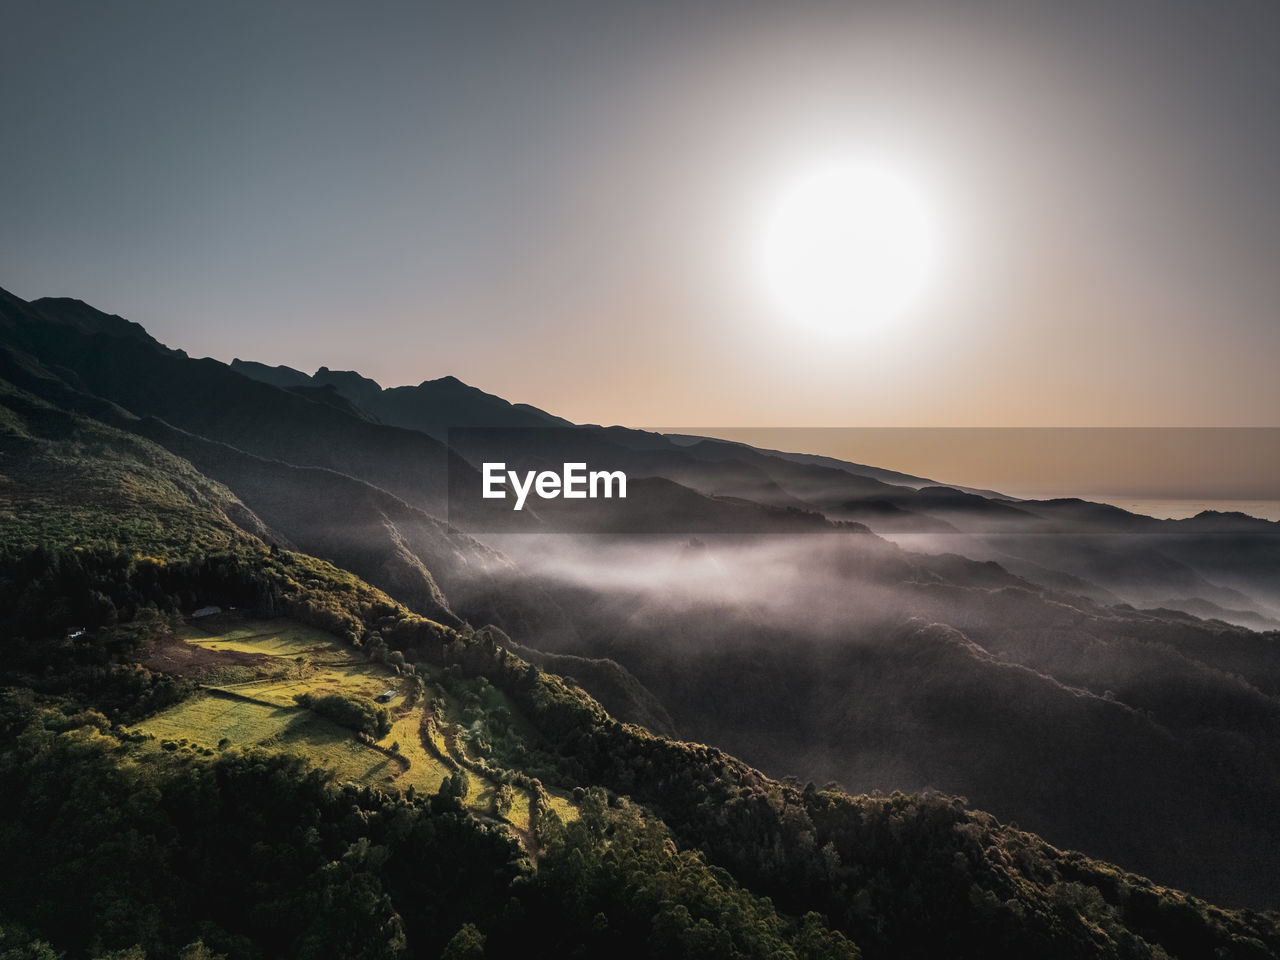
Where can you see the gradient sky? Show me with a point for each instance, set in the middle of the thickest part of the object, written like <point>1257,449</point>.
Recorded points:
<point>552,200</point>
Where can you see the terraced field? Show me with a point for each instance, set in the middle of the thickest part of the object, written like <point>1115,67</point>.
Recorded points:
<point>207,720</point>
<point>252,671</point>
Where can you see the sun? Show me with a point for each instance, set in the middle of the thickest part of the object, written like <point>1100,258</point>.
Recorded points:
<point>847,243</point>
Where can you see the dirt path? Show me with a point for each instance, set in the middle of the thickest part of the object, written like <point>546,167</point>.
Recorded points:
<point>174,655</point>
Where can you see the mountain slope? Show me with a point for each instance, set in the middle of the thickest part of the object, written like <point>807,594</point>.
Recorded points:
<point>1142,736</point>
<point>84,482</point>
<point>206,398</point>
<point>1096,726</point>
<point>161,847</point>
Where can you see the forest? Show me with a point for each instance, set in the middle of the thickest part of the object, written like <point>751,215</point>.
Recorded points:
<point>678,849</point>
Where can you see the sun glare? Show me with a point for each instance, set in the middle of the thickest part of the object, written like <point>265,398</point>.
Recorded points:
<point>847,244</point>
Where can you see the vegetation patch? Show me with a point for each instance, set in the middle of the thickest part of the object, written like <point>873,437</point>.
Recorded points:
<point>373,722</point>
<point>286,687</point>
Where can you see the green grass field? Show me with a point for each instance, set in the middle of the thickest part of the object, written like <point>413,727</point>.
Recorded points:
<point>279,638</point>
<point>562,806</point>
<point>255,706</point>
<point>206,720</point>
<point>426,771</point>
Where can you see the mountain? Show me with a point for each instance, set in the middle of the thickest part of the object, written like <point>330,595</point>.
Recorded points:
<point>207,398</point>
<point>554,829</point>
<point>280,376</point>
<point>1092,549</point>
<point>815,620</point>
<point>433,406</point>
<point>893,477</point>
<point>848,659</point>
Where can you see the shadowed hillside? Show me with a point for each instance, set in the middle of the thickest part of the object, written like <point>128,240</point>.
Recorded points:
<point>985,650</point>
<point>643,846</point>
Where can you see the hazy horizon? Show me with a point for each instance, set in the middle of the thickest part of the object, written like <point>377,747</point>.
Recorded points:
<point>1107,463</point>
<point>1171,472</point>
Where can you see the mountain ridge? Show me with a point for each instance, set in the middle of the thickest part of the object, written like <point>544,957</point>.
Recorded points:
<point>735,647</point>
<point>212,811</point>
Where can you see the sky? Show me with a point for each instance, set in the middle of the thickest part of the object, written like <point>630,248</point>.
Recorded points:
<point>557,202</point>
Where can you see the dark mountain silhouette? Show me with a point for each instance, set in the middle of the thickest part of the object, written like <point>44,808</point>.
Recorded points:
<point>361,391</point>
<point>280,376</point>
<point>207,398</point>
<point>329,396</point>
<point>433,406</point>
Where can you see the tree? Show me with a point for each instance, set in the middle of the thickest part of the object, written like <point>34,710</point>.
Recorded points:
<point>503,797</point>
<point>198,951</point>
<point>466,944</point>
